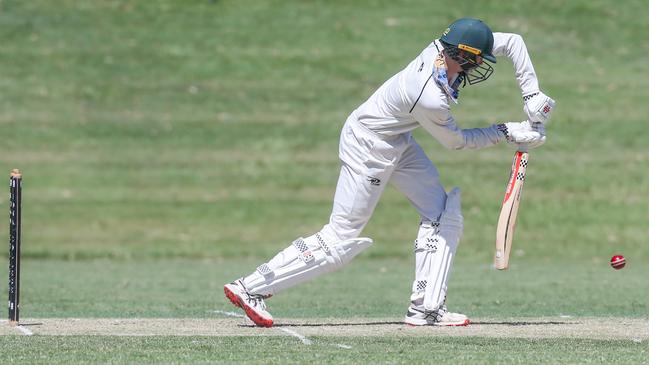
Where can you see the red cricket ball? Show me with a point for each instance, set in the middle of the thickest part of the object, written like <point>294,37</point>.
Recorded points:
<point>618,262</point>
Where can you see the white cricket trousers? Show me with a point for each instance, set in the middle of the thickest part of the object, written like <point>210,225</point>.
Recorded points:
<point>369,162</point>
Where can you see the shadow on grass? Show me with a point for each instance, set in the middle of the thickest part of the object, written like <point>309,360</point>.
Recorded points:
<point>521,323</point>
<point>30,324</point>
<point>400,323</point>
<point>341,324</point>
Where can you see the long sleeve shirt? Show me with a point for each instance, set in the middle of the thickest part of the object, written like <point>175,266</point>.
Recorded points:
<point>412,98</point>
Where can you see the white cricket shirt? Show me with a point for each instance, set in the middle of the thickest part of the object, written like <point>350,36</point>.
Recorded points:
<point>412,98</point>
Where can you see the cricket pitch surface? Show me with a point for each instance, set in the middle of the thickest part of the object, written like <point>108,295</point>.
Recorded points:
<point>232,324</point>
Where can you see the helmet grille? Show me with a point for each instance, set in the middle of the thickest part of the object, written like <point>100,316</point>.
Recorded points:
<point>474,71</point>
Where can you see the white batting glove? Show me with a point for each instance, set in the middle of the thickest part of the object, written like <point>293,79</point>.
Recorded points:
<point>538,107</point>
<point>533,135</point>
<point>540,128</point>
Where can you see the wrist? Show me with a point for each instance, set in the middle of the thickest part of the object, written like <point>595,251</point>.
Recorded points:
<point>502,128</point>
<point>529,96</point>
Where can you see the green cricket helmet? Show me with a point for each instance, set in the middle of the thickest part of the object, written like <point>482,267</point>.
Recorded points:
<point>470,42</point>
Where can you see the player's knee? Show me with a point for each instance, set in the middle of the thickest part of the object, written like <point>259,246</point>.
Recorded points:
<point>342,228</point>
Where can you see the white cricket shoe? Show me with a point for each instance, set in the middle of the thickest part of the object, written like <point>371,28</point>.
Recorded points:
<point>417,316</point>
<point>252,304</point>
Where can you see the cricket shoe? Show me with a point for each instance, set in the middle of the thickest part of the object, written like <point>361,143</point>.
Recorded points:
<point>417,316</point>
<point>252,304</point>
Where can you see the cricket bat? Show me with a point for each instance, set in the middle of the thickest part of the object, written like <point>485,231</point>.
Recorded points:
<point>509,210</point>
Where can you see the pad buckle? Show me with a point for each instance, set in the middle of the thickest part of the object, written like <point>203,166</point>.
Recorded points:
<point>305,253</point>
<point>264,270</point>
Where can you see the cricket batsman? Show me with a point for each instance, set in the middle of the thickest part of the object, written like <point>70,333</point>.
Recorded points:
<point>377,147</point>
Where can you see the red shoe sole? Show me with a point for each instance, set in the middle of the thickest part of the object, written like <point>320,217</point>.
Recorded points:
<point>465,323</point>
<point>259,320</point>
<point>256,318</point>
<point>231,296</point>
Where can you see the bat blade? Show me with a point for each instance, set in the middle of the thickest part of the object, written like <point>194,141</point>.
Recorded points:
<point>509,210</point>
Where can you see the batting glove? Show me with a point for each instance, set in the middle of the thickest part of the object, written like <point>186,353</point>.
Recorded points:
<point>538,107</point>
<point>533,135</point>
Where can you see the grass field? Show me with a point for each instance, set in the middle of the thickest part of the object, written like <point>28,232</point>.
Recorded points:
<point>168,147</point>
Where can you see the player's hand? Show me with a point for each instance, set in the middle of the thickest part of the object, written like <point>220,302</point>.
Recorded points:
<point>538,107</point>
<point>531,134</point>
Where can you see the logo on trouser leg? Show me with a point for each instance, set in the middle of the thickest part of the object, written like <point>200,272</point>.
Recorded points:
<point>374,180</point>
<point>421,285</point>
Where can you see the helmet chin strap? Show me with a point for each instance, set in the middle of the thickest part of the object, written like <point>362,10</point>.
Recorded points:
<point>460,80</point>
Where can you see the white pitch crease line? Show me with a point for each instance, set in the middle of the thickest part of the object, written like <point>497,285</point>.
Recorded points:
<point>25,330</point>
<point>302,338</point>
<point>229,314</point>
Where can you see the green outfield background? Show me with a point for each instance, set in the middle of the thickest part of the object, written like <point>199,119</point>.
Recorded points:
<point>168,147</point>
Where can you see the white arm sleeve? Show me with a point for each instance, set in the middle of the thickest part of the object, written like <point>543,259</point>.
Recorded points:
<point>513,46</point>
<point>441,125</point>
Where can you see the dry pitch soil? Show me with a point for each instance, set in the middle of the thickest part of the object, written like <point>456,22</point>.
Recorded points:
<point>635,329</point>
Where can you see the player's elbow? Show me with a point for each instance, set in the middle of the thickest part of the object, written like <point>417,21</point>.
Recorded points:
<point>516,39</point>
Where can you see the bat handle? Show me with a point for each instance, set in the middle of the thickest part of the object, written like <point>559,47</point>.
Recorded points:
<point>523,147</point>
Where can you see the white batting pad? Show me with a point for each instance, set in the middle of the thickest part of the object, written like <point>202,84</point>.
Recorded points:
<point>440,246</point>
<point>303,260</point>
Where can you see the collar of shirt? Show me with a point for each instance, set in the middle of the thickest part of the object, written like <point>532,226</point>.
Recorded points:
<point>440,75</point>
